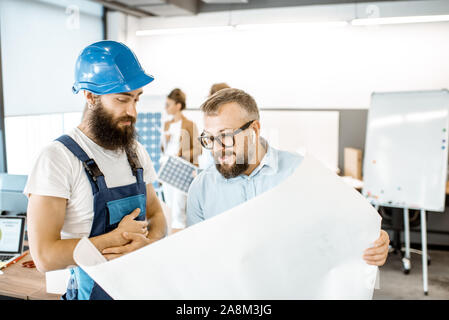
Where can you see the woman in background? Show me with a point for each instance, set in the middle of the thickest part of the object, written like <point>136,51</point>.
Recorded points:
<point>178,139</point>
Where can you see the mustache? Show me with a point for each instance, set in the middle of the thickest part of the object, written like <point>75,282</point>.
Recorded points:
<point>224,152</point>
<point>239,159</point>
<point>127,118</point>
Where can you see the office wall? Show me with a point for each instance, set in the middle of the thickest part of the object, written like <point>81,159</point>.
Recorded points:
<point>330,68</point>
<point>352,131</point>
<point>40,43</point>
<point>313,132</point>
<point>26,136</point>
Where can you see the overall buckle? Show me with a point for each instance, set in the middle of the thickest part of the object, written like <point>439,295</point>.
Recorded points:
<point>92,168</point>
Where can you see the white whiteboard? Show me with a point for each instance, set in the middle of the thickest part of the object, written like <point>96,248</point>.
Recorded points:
<point>311,132</point>
<point>406,155</point>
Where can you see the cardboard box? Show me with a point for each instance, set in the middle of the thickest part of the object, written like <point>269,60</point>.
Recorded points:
<point>353,163</point>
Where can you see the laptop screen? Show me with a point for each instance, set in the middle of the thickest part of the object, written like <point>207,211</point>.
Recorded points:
<point>11,234</point>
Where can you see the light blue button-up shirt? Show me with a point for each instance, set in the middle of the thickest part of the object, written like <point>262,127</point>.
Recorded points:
<point>211,194</point>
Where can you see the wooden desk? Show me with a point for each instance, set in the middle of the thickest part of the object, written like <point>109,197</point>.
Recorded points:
<point>24,283</point>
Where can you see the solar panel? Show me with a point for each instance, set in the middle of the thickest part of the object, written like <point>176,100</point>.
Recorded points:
<point>178,173</point>
<point>148,127</point>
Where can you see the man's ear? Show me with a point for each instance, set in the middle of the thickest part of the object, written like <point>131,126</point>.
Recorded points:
<point>256,126</point>
<point>90,98</point>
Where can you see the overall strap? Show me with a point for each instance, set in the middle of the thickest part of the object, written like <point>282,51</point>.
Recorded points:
<point>96,177</point>
<point>135,165</point>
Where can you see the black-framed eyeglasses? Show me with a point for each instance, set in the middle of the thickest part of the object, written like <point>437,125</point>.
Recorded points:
<point>226,140</point>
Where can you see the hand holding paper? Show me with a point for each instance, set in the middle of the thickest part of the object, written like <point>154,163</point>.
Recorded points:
<point>304,239</point>
<point>377,254</point>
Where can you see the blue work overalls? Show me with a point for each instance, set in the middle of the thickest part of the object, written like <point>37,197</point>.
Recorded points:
<point>110,206</point>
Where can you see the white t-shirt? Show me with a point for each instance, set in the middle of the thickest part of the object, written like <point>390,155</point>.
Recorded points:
<point>58,173</point>
<point>172,147</point>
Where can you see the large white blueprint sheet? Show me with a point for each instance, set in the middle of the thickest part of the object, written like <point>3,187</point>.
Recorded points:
<point>303,239</point>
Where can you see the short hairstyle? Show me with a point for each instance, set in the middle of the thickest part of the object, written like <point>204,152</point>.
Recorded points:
<point>217,87</point>
<point>243,99</point>
<point>178,96</point>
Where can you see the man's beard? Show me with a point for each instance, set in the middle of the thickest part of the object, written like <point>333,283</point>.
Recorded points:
<point>231,171</point>
<point>107,132</point>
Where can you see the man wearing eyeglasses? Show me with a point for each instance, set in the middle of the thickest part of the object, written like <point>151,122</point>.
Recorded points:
<point>245,164</point>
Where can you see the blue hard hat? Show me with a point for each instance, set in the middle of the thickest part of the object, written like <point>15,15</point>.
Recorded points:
<point>108,67</point>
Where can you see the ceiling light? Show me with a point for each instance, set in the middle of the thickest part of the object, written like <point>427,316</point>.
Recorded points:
<point>242,27</point>
<point>154,32</point>
<point>292,25</point>
<point>399,20</point>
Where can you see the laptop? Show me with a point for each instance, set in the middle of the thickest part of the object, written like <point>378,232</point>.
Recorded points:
<point>12,233</point>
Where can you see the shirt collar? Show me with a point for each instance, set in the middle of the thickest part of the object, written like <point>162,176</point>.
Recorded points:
<point>269,162</point>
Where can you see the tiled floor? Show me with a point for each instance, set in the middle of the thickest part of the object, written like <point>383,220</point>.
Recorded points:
<point>394,284</point>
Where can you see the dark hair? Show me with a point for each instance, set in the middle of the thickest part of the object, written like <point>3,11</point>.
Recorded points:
<point>217,87</point>
<point>246,102</point>
<point>178,96</point>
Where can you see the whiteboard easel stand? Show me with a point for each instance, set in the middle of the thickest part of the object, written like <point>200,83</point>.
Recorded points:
<point>392,124</point>
<point>424,250</point>
<point>406,259</point>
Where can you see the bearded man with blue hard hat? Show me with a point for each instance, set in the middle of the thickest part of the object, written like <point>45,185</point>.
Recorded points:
<point>96,181</point>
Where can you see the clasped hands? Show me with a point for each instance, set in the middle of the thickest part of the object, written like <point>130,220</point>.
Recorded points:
<point>130,236</point>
